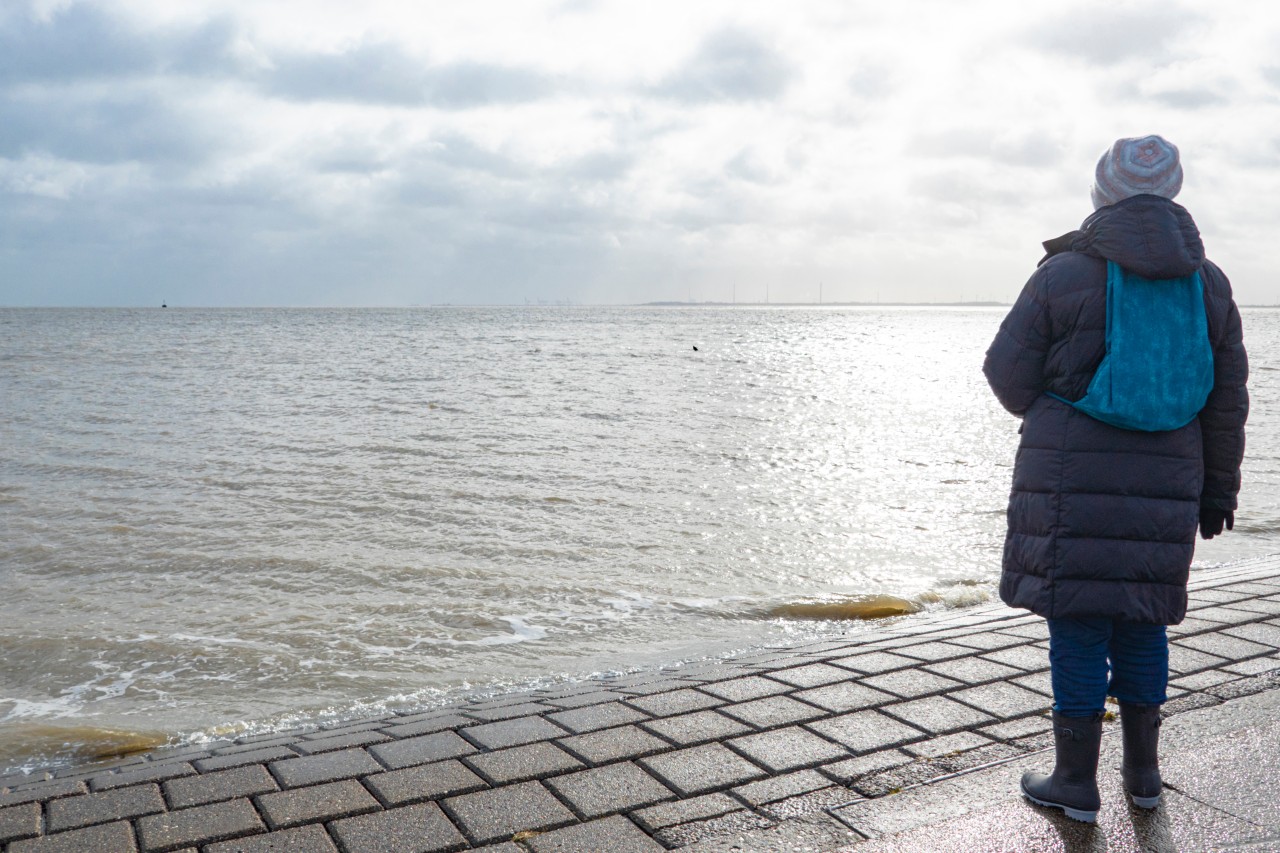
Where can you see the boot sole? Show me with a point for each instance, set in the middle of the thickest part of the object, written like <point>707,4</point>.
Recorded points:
<point>1145,802</point>
<point>1074,814</point>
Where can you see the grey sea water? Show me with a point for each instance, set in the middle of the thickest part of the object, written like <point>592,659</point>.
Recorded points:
<point>223,520</point>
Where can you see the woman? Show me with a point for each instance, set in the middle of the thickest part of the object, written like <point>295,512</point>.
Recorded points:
<point>1120,457</point>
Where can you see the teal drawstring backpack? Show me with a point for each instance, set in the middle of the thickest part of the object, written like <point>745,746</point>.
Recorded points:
<point>1158,370</point>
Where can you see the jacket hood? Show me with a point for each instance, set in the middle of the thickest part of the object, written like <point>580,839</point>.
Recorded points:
<point>1146,234</point>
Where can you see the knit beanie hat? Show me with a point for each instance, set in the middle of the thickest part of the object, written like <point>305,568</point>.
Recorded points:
<point>1135,166</point>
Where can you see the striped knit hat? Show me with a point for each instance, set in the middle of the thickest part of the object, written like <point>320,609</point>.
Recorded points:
<point>1136,166</point>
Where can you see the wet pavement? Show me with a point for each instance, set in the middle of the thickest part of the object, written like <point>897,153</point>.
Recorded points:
<point>907,737</point>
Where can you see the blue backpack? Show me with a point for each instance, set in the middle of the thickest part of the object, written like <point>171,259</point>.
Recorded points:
<point>1158,370</point>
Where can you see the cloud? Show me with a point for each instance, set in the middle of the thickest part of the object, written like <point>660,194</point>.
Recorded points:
<point>747,165</point>
<point>1113,33</point>
<point>730,65</point>
<point>101,129</point>
<point>1034,148</point>
<point>81,42</point>
<point>386,74</point>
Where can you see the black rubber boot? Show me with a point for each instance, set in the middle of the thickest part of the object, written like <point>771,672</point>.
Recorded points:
<point>1140,727</point>
<point>1073,785</point>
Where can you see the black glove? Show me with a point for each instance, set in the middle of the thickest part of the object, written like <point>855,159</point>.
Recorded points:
<point>1212,520</point>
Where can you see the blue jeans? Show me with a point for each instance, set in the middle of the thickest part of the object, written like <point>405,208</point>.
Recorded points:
<point>1091,658</point>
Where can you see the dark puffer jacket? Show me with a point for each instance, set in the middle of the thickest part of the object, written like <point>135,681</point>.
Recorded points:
<point>1102,521</point>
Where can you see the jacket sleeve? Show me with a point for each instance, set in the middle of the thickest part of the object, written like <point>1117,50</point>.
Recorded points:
<point>1014,366</point>
<point>1223,417</point>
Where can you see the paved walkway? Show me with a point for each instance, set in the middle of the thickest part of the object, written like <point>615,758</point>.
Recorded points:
<point>862,742</point>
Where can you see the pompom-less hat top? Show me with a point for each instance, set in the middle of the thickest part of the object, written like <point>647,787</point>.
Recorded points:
<point>1135,166</point>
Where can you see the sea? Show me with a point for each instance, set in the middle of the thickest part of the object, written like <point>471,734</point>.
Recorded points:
<point>217,522</point>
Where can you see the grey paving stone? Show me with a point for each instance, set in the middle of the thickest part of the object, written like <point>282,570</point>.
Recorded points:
<point>811,675</point>
<point>513,732</point>
<point>1225,615</point>
<point>910,683</point>
<point>807,804</point>
<point>220,785</point>
<point>426,782</point>
<point>866,731</point>
<point>342,741</point>
<point>684,811</point>
<point>1261,606</point>
<point>412,829</point>
<point>852,769</point>
<point>1184,660</point>
<point>1242,687</point>
<point>121,804</point>
<point>239,759</point>
<point>1029,658</point>
<point>609,745</point>
<point>1258,632</point>
<point>1214,596</point>
<point>1254,666</point>
<point>521,763</point>
<point>19,822</point>
<point>431,725</point>
<point>488,816</point>
<point>43,790</point>
<point>509,712</point>
<point>423,749</point>
<point>773,711</point>
<point>1003,700</point>
<point>1189,702</point>
<point>1191,625</point>
<point>648,688</point>
<point>787,749</point>
<point>1036,682</point>
<point>701,769</point>
<point>582,700</point>
<point>606,790</point>
<point>1224,646</point>
<point>500,700</point>
<point>706,836</point>
<point>614,834</point>
<point>1204,680</point>
<point>871,663</point>
<point>698,727</point>
<point>947,744</point>
<point>846,696</point>
<point>316,803</point>
<point>106,838</point>
<point>938,714</point>
<point>1256,587</point>
<point>330,767</point>
<point>934,652</point>
<point>157,773</point>
<point>1037,630</point>
<point>744,689</point>
<point>198,826</point>
<point>595,717</point>
<point>304,839</point>
<point>781,787</point>
<point>674,702</point>
<point>987,640</point>
<point>1012,729</point>
<point>974,670</point>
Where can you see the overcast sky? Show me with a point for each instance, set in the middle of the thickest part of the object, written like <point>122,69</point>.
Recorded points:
<point>331,152</point>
